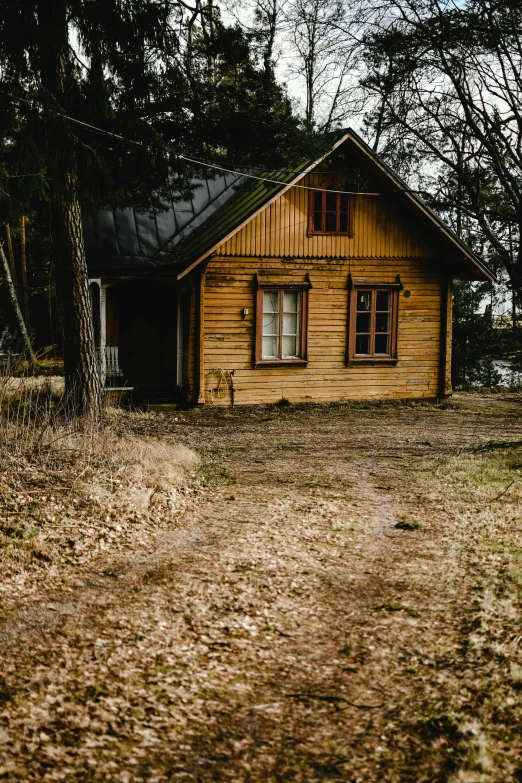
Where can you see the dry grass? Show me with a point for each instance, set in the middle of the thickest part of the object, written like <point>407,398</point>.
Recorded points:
<point>481,488</point>
<point>63,483</point>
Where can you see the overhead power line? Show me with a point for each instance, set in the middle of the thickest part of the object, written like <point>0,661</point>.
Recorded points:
<point>274,181</point>
<point>193,160</point>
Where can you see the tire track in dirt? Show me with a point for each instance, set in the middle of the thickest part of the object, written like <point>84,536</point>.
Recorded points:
<point>281,629</point>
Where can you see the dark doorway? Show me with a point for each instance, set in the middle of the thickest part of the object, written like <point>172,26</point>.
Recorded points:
<point>143,325</point>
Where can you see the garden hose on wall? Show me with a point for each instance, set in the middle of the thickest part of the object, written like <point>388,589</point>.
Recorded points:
<point>219,383</point>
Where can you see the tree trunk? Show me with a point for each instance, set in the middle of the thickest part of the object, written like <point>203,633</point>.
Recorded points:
<point>25,294</point>
<point>11,253</point>
<point>82,380</point>
<point>16,308</point>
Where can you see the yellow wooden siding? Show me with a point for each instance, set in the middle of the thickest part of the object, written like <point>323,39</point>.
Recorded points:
<point>387,242</point>
<point>229,337</point>
<point>191,342</point>
<point>381,230</point>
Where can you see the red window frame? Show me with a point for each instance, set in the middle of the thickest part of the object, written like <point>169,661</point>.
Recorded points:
<point>320,194</point>
<point>302,359</point>
<point>373,288</point>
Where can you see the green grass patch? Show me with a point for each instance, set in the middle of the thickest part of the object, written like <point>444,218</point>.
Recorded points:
<point>406,524</point>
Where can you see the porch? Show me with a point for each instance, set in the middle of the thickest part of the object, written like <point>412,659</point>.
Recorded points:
<point>139,337</point>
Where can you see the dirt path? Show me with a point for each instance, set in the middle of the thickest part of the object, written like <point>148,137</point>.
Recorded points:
<point>283,629</point>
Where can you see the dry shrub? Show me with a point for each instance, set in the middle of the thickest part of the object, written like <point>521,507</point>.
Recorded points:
<point>78,480</point>
<point>132,469</point>
<point>147,461</point>
<point>30,407</point>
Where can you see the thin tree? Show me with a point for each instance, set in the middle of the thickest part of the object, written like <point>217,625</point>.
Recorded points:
<point>93,62</point>
<point>28,347</point>
<point>315,32</point>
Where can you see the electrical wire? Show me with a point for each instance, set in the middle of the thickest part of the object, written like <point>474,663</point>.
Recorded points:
<point>80,122</point>
<point>275,181</point>
<point>195,161</point>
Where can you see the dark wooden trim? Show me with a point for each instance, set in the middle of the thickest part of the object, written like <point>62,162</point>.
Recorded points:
<point>373,286</point>
<point>449,336</point>
<point>360,282</point>
<point>351,207</point>
<point>311,212</point>
<point>304,324</point>
<point>395,323</point>
<point>258,325</point>
<point>281,363</point>
<point>276,285</point>
<point>373,360</point>
<point>446,290</point>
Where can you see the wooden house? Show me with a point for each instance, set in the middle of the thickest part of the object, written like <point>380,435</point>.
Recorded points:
<point>327,282</point>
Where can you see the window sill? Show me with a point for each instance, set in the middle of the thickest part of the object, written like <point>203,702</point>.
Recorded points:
<point>329,234</point>
<point>281,363</point>
<point>372,360</point>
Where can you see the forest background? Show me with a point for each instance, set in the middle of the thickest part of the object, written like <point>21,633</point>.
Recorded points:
<point>99,100</point>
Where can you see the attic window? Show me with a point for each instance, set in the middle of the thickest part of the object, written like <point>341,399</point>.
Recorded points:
<point>330,210</point>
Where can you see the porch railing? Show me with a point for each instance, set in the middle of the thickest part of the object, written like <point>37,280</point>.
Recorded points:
<point>108,362</point>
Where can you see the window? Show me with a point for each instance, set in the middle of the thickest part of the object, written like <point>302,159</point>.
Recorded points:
<point>281,332</point>
<point>373,322</point>
<point>331,212</point>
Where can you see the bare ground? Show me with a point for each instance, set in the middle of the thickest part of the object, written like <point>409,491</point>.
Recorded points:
<point>282,627</point>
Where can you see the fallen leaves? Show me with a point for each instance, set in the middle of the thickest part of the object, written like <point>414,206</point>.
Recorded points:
<point>272,638</point>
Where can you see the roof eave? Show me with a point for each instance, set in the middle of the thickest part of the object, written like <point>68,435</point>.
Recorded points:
<point>486,273</point>
<point>267,203</point>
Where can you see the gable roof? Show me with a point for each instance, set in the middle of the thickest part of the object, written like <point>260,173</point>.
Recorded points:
<point>255,196</point>
<point>186,233</point>
<point>417,202</point>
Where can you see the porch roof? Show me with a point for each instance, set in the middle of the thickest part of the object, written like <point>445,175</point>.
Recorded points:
<point>125,239</point>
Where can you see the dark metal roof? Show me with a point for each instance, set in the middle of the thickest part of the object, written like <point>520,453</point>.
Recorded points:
<point>126,239</point>
<point>187,232</point>
<point>252,195</point>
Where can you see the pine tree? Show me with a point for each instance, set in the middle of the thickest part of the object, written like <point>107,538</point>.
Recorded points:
<point>165,76</point>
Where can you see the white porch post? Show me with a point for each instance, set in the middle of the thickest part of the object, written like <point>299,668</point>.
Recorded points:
<point>179,343</point>
<point>100,349</point>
